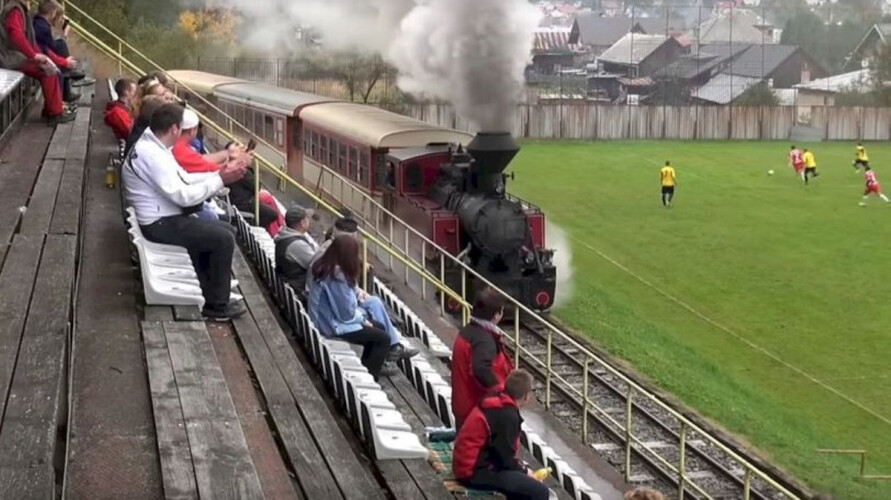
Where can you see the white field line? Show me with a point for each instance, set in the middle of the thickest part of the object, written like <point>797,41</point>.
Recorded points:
<point>732,333</point>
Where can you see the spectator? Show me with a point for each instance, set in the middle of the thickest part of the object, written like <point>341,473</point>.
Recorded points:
<point>241,193</point>
<point>153,75</point>
<point>479,363</point>
<point>150,88</point>
<point>143,120</point>
<point>19,51</point>
<point>487,446</point>
<point>49,14</point>
<point>194,162</point>
<point>162,199</point>
<point>643,494</point>
<point>198,142</point>
<point>374,308</point>
<point>295,248</point>
<point>334,308</point>
<point>118,114</point>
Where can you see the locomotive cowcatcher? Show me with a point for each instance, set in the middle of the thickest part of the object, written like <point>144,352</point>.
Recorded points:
<point>457,197</point>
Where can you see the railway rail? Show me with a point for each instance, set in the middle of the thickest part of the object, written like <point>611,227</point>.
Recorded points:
<point>641,439</point>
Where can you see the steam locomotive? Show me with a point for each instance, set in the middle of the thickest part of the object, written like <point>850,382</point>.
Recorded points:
<point>500,236</point>
<point>447,184</point>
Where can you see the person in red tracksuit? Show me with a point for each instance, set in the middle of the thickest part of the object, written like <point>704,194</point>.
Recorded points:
<point>485,454</point>
<point>119,113</point>
<point>479,363</point>
<point>19,51</point>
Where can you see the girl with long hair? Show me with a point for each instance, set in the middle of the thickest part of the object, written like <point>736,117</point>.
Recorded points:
<point>334,306</point>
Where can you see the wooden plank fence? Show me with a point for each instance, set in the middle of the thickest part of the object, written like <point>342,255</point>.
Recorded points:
<point>583,121</point>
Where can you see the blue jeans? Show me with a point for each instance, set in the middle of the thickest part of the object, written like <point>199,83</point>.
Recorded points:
<point>207,213</point>
<point>377,312</point>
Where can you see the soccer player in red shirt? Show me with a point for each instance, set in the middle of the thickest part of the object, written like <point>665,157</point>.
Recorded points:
<point>872,186</point>
<point>797,161</point>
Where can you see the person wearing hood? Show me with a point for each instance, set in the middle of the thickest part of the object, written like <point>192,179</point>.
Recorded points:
<point>119,113</point>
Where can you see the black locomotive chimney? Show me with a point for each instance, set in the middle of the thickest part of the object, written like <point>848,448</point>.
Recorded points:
<point>493,151</point>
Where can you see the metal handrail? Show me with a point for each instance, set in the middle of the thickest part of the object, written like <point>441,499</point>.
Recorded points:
<point>687,425</point>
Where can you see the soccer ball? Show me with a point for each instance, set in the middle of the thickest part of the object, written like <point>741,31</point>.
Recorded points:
<point>770,172</point>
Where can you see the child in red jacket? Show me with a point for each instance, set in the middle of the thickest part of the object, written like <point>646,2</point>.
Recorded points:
<point>485,455</point>
<point>119,113</point>
<point>479,362</point>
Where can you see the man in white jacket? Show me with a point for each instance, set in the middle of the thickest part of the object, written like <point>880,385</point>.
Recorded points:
<point>165,199</point>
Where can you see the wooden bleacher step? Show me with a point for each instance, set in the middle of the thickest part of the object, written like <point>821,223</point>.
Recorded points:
<point>203,450</point>
<point>340,471</point>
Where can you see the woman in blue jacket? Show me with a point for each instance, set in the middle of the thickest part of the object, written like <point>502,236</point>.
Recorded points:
<point>334,308</point>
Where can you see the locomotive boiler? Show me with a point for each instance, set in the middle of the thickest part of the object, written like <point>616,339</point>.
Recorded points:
<point>496,236</point>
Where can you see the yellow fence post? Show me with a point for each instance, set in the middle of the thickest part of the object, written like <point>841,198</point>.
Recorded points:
<point>256,168</point>
<point>364,264</point>
<point>585,382</point>
<point>549,369</point>
<point>629,407</point>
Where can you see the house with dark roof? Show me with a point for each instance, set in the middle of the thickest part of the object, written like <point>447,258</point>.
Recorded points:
<point>626,66</point>
<point>877,36</point>
<point>551,50</point>
<point>736,25</point>
<point>597,33</point>
<point>779,66</point>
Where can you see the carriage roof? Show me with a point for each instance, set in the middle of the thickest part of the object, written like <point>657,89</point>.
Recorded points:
<point>377,127</point>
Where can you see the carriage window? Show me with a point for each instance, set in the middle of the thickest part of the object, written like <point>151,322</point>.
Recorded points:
<point>323,148</point>
<point>268,130</point>
<point>354,161</point>
<point>363,168</point>
<point>279,132</point>
<point>307,135</point>
<point>342,158</point>
<point>315,145</point>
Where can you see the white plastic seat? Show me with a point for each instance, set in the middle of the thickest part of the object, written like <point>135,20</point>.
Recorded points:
<point>395,445</point>
<point>389,419</point>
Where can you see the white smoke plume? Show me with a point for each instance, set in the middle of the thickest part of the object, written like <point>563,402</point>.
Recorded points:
<point>557,239</point>
<point>469,52</point>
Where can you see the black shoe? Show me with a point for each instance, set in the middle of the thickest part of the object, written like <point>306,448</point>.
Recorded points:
<point>74,74</point>
<point>231,310</point>
<point>65,117</point>
<point>389,369</point>
<point>399,352</point>
<point>84,82</point>
<point>72,97</point>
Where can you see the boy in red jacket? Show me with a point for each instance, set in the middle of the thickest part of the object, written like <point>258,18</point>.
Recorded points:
<point>485,455</point>
<point>119,113</point>
<point>19,51</point>
<point>479,363</point>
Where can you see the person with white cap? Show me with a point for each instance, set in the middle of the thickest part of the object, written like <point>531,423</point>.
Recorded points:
<point>193,161</point>
<point>241,193</point>
<point>164,201</point>
<point>295,248</point>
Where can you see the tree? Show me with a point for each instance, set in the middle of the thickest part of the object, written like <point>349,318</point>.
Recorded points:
<point>215,27</point>
<point>881,75</point>
<point>829,44</point>
<point>757,95</point>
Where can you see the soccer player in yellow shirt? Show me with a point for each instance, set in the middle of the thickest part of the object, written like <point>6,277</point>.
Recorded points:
<point>669,179</point>
<point>861,158</point>
<point>810,165</point>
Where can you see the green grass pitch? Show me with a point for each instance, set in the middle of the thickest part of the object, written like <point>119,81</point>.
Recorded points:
<point>761,302</point>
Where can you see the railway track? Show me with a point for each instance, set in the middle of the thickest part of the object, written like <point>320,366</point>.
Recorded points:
<point>654,458</point>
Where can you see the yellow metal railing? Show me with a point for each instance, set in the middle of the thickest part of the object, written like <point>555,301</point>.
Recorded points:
<point>863,454</point>
<point>402,255</point>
